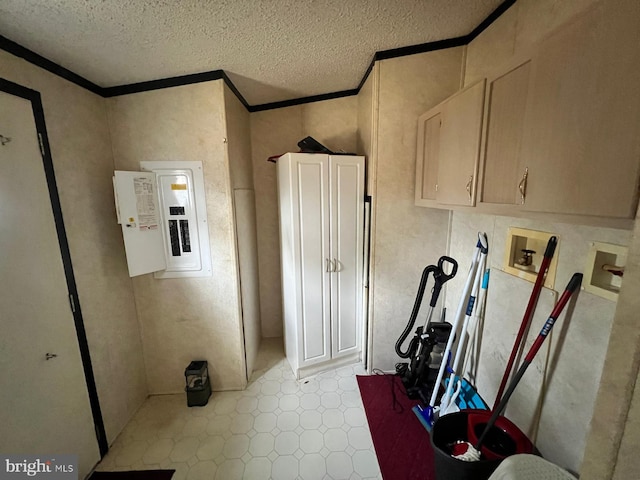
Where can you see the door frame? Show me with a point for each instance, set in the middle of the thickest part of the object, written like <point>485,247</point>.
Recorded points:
<point>34,97</point>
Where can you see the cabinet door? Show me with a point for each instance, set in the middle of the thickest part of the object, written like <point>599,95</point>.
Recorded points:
<point>581,142</point>
<point>310,193</point>
<point>460,146</point>
<point>503,180</point>
<point>347,229</point>
<point>427,157</point>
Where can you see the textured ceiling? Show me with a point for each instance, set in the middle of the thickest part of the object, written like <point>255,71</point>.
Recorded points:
<point>272,50</point>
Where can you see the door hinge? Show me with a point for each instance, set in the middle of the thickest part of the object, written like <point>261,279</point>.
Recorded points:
<point>41,144</point>
<point>72,303</point>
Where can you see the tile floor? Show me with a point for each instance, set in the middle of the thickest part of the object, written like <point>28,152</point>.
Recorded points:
<point>278,428</point>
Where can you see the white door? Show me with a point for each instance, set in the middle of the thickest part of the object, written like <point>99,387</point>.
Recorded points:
<point>44,404</point>
<point>347,228</point>
<point>310,191</point>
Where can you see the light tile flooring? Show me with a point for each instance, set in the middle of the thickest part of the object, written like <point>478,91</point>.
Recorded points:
<point>278,428</point>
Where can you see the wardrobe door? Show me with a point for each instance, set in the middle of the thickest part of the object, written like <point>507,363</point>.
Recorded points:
<point>310,193</point>
<point>347,216</point>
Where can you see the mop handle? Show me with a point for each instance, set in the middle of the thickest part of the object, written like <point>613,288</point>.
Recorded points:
<point>572,286</point>
<point>481,244</point>
<point>447,399</point>
<point>470,307</point>
<point>479,311</point>
<point>528,314</point>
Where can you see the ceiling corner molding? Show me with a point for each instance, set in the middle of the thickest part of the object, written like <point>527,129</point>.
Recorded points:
<point>42,62</point>
<point>300,101</point>
<point>438,45</point>
<point>164,83</point>
<point>420,48</point>
<point>237,93</point>
<point>493,16</point>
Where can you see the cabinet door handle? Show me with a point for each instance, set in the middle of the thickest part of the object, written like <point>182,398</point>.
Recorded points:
<point>522,186</point>
<point>326,265</point>
<point>335,265</point>
<point>468,187</point>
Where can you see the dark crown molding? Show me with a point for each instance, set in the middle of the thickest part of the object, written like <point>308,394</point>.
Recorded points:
<point>36,59</point>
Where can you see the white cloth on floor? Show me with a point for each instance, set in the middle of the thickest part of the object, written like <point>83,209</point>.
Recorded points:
<point>529,467</point>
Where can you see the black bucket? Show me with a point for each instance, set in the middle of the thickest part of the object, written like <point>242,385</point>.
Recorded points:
<point>446,431</point>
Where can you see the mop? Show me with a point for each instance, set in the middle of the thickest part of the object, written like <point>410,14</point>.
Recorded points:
<point>432,410</point>
<point>466,396</point>
<point>470,452</point>
<point>447,402</point>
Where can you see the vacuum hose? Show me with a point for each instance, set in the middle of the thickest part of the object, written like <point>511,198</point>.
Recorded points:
<point>414,314</point>
<point>439,277</point>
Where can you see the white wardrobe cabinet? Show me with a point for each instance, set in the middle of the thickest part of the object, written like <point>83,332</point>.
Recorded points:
<point>321,203</point>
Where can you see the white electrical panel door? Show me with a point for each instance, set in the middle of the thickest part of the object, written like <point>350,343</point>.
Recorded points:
<point>139,214</point>
<point>180,187</point>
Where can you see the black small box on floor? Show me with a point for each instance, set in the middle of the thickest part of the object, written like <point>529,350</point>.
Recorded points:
<point>198,385</point>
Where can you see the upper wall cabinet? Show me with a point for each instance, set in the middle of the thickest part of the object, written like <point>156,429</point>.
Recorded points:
<point>560,130</point>
<point>427,156</point>
<point>448,149</point>
<point>460,146</point>
<point>581,141</point>
<point>504,177</point>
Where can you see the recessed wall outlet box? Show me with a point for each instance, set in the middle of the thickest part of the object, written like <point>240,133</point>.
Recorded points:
<point>604,269</point>
<point>524,254</point>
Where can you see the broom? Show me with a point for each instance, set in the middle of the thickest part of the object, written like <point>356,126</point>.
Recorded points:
<point>472,452</point>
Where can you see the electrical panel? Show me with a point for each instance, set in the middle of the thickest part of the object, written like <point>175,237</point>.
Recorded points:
<point>164,219</point>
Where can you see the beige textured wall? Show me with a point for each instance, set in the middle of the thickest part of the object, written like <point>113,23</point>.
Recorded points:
<point>186,318</point>
<point>522,25</point>
<point>405,238</point>
<point>334,124</point>
<point>80,145</point>
<point>573,376</point>
<point>367,103</point>
<point>568,384</point>
<point>612,445</point>
<point>239,153</point>
<point>238,129</point>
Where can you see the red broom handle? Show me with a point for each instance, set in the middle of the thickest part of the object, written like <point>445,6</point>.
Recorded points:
<point>528,315</point>
<point>572,286</point>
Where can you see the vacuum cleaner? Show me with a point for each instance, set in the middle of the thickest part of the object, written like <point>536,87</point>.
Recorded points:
<point>425,350</point>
